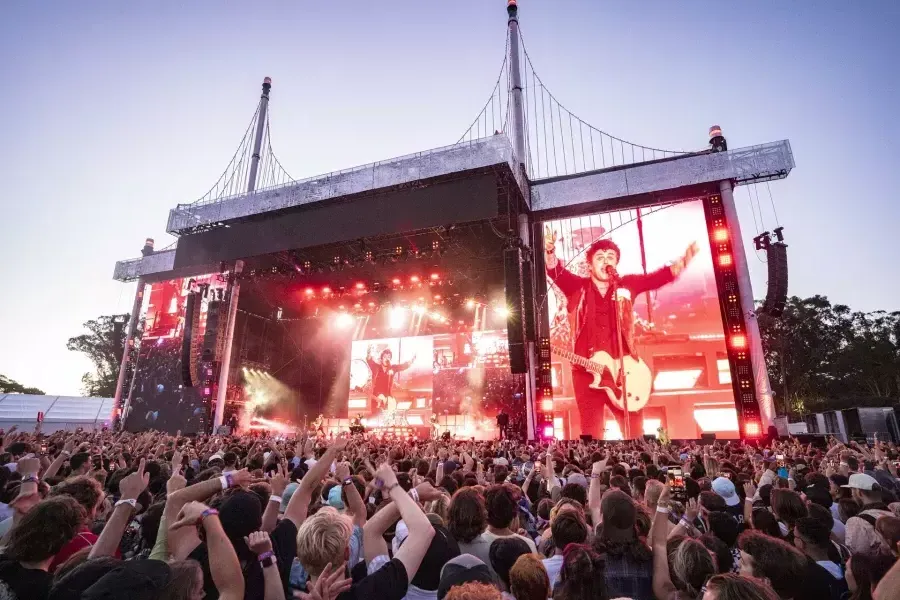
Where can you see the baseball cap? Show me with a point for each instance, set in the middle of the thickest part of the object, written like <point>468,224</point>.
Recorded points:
<point>463,569</point>
<point>861,481</point>
<point>723,487</point>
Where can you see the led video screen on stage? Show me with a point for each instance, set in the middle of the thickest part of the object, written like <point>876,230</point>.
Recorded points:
<point>648,274</point>
<point>461,378</point>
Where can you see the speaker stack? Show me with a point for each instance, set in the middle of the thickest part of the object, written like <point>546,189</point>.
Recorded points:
<point>776,292</point>
<point>515,327</point>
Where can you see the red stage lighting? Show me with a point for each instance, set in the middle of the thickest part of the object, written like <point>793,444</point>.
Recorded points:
<point>414,279</point>
<point>326,290</point>
<point>310,291</point>
<point>739,341</point>
<point>720,234</point>
<point>360,285</point>
<point>725,260</point>
<point>435,276</point>
<point>752,429</point>
<point>396,281</point>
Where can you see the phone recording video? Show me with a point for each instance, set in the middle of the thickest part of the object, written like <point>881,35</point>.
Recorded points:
<point>782,465</point>
<point>676,483</point>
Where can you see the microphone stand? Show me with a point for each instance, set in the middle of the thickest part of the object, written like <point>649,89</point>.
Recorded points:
<point>622,377</point>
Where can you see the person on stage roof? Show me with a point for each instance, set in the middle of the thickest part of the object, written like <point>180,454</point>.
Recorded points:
<point>595,322</point>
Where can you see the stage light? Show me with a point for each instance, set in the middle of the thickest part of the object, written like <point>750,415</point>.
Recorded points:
<point>397,317</point>
<point>420,310</point>
<point>470,304</point>
<point>547,405</point>
<point>395,281</point>
<point>739,341</point>
<point>548,431</point>
<point>725,260</point>
<point>414,279</point>
<point>502,312</point>
<point>435,276</point>
<point>360,285</point>
<point>371,305</point>
<point>326,290</point>
<point>343,320</point>
<point>720,234</point>
<point>310,291</point>
<point>752,429</point>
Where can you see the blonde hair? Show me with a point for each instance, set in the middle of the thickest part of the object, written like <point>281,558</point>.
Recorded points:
<point>323,538</point>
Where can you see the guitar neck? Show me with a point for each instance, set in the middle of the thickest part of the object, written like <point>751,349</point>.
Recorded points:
<point>574,358</point>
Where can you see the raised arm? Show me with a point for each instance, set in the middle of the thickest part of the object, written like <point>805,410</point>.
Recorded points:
<point>421,531</point>
<point>298,507</point>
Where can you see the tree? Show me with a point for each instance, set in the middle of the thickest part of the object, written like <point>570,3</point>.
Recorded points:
<point>823,357</point>
<point>8,386</point>
<point>103,345</point>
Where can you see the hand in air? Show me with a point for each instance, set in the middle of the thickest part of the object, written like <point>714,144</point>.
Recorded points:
<point>682,263</point>
<point>549,240</point>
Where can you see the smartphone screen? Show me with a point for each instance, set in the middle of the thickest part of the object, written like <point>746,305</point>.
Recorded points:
<point>676,477</point>
<point>782,466</point>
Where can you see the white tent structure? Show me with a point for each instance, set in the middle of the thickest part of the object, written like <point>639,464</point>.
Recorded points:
<point>60,412</point>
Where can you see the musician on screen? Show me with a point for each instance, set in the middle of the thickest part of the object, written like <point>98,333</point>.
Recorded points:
<point>597,338</point>
<point>383,372</point>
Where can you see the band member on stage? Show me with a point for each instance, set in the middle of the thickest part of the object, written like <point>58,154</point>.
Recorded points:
<point>502,424</point>
<point>434,426</point>
<point>383,372</point>
<point>319,425</point>
<point>594,322</point>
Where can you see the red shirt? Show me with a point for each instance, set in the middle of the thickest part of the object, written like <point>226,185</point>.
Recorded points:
<point>83,539</point>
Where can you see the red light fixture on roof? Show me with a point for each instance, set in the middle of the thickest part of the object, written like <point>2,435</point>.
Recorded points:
<point>360,285</point>
<point>326,290</point>
<point>395,281</point>
<point>310,291</point>
<point>435,276</point>
<point>739,341</point>
<point>752,429</point>
<point>414,279</point>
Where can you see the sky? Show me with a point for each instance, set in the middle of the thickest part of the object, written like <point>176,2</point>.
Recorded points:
<point>115,112</point>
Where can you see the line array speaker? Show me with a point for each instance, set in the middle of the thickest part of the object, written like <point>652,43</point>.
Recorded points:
<point>512,273</point>
<point>189,310</point>
<point>776,292</point>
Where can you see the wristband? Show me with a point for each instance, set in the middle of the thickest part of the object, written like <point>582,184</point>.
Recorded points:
<point>30,479</point>
<point>414,494</point>
<point>226,480</point>
<point>274,498</point>
<point>347,482</point>
<point>596,475</point>
<point>209,512</point>
<point>264,556</point>
<point>132,502</point>
<point>662,509</point>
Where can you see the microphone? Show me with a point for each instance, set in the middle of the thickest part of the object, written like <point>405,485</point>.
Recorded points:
<point>611,271</point>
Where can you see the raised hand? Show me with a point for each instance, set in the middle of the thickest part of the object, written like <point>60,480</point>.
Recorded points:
<point>132,485</point>
<point>190,515</point>
<point>328,586</point>
<point>549,240</point>
<point>259,542</point>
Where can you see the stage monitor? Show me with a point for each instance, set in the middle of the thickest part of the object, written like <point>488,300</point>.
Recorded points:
<point>650,276</point>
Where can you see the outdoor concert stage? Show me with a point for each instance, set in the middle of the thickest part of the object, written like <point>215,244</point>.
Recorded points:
<point>278,304</point>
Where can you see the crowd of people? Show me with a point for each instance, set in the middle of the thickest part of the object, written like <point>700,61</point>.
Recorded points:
<point>105,515</point>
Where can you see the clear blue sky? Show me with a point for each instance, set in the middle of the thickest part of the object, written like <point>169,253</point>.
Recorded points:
<point>114,112</point>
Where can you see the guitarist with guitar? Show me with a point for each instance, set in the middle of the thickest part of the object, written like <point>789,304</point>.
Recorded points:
<point>606,370</point>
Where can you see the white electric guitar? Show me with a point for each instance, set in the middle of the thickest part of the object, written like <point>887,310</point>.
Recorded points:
<point>638,378</point>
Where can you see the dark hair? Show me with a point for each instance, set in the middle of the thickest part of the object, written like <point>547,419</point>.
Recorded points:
<point>725,527</point>
<point>181,583</point>
<point>502,505</point>
<point>868,569</point>
<point>813,532</point>
<point>693,566</point>
<point>503,554</point>
<point>788,506</point>
<point>70,580</point>
<point>779,562</point>
<point>848,507</point>
<point>640,485</point>
<point>821,514</point>
<point>575,492</point>
<point>764,521</point>
<point>449,484</point>
<point>712,502</point>
<point>78,459</point>
<point>86,490</point>
<point>467,515</point>
<point>583,574</point>
<point>619,482</point>
<point>45,529</point>
<point>602,244</point>
<point>724,557</point>
<point>729,586</point>
<point>568,527</point>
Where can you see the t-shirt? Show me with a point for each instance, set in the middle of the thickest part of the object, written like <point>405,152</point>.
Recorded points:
<point>554,566</point>
<point>284,547</point>
<point>83,539</point>
<point>389,582</point>
<point>490,537</point>
<point>819,584</point>
<point>479,547</point>
<point>832,568</point>
<point>19,583</point>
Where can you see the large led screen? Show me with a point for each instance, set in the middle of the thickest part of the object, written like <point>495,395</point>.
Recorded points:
<point>646,275</point>
<point>390,376</point>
